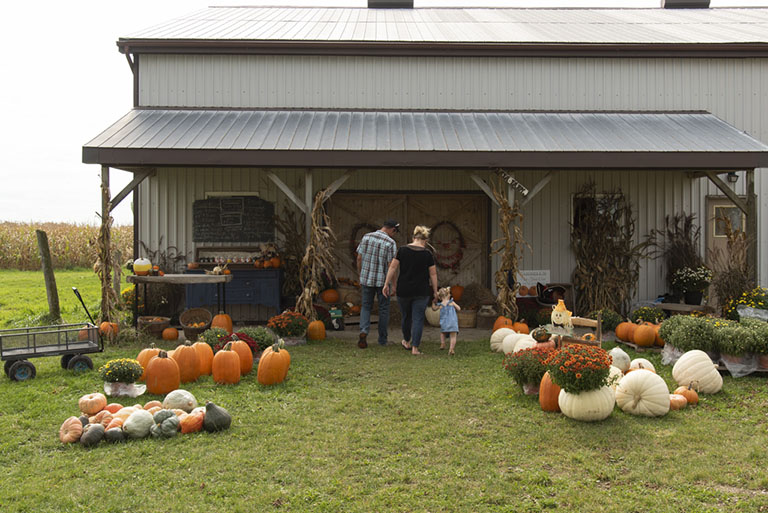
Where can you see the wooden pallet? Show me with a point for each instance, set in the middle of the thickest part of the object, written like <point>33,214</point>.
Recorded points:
<point>640,349</point>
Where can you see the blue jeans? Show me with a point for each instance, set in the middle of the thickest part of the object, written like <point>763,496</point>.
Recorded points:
<point>365,312</point>
<point>412,311</point>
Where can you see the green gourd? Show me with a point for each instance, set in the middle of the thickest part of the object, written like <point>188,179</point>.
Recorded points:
<point>84,420</point>
<point>166,429</point>
<point>216,418</point>
<point>161,415</point>
<point>92,435</point>
<point>114,435</point>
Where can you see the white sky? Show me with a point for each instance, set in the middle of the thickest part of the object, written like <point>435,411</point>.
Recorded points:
<point>64,81</point>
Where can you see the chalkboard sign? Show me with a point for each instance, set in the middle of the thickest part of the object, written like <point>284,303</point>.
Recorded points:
<point>233,219</point>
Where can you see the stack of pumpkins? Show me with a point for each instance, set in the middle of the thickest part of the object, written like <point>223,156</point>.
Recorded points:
<point>509,336</point>
<point>642,334</point>
<point>116,423</point>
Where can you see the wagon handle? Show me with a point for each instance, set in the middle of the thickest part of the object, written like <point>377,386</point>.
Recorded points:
<point>77,293</point>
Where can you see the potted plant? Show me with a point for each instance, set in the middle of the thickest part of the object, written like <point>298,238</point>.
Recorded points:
<point>760,332</point>
<point>736,342</point>
<point>120,377</point>
<point>692,282</point>
<point>526,367</point>
<point>291,326</point>
<point>687,332</point>
<point>650,314</point>
<point>582,372</point>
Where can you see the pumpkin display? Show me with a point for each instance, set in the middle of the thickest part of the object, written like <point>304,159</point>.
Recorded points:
<point>540,334</point>
<point>188,362</point>
<point>145,355</point>
<point>71,430</point>
<point>243,350</point>
<point>138,424</point>
<point>92,435</point>
<point>589,406</point>
<point>180,399</point>
<point>223,321</point>
<point>502,322</point>
<point>457,291</point>
<point>526,342</point>
<point>510,341</point>
<point>216,418</point>
<point>226,366</point>
<point>498,336</point>
<point>170,334</point>
<point>622,330</point>
<point>520,327</point>
<point>696,366</point>
<point>91,404</point>
<point>163,374</point>
<point>641,363</point>
<point>690,394</point>
<point>614,375</point>
<point>644,335</point>
<point>316,330</point>
<point>643,393</point>
<point>677,402</point>
<point>330,296</point>
<point>204,357</point>
<point>109,329</point>
<point>548,394</point>
<point>620,358</point>
<point>191,422</point>
<point>273,366</point>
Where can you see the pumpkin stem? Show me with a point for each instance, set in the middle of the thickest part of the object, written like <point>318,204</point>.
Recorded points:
<point>276,346</point>
<point>227,347</point>
<point>162,354</point>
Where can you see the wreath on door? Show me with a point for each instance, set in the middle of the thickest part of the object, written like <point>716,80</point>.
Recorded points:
<point>448,244</point>
<point>354,239</point>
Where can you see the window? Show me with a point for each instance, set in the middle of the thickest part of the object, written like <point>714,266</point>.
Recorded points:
<point>725,215</point>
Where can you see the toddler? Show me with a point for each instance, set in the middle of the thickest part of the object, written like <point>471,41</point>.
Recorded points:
<point>449,321</point>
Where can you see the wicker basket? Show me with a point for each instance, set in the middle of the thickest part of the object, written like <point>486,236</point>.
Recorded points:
<point>192,316</point>
<point>467,318</point>
<point>154,324</point>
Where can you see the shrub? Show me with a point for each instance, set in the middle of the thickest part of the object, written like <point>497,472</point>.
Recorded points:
<point>648,314</point>
<point>212,337</point>
<point>610,318</point>
<point>735,339</point>
<point>261,335</point>
<point>687,332</point>
<point>760,332</point>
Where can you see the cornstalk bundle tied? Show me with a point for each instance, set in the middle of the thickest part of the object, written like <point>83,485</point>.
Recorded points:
<point>292,230</point>
<point>319,260</point>
<point>510,246</point>
<point>105,265</point>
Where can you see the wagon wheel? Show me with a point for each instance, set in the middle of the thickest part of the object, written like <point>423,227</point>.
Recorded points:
<point>22,370</point>
<point>65,360</point>
<point>7,366</point>
<point>80,363</point>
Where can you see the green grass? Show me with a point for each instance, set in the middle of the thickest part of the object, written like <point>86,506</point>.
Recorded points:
<point>23,299</point>
<point>380,430</point>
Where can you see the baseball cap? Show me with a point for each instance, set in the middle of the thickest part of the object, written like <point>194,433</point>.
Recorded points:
<point>391,223</point>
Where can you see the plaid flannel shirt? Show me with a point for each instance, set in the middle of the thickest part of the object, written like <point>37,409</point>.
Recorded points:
<point>377,249</point>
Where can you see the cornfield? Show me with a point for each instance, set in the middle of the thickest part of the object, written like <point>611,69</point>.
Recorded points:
<point>72,245</point>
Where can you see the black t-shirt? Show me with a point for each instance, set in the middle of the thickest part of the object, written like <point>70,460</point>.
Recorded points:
<point>414,271</point>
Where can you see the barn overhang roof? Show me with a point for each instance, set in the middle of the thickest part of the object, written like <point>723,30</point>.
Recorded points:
<point>424,139</point>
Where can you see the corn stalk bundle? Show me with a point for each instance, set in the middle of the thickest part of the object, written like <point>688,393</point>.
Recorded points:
<point>607,258</point>
<point>510,247</point>
<point>732,272</point>
<point>291,229</point>
<point>319,261</point>
<point>105,265</point>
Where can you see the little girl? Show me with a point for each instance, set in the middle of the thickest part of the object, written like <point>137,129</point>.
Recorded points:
<point>449,321</point>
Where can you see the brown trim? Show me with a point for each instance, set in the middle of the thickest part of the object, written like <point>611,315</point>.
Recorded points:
<point>694,160</point>
<point>441,49</point>
<point>135,69</point>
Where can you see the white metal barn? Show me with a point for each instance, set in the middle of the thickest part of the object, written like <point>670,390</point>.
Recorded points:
<point>407,113</point>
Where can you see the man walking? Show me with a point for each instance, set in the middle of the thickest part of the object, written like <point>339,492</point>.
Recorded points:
<point>374,253</point>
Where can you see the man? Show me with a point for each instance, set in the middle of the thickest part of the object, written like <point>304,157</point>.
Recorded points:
<point>374,253</point>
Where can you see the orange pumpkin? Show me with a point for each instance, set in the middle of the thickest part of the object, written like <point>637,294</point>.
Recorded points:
<point>523,291</point>
<point>548,394</point>
<point>152,404</point>
<point>109,329</point>
<point>170,334</point>
<point>330,295</point>
<point>71,430</point>
<point>273,365</point>
<point>689,393</point>
<point>354,309</point>
<point>223,321</point>
<point>91,404</point>
<point>457,291</point>
<point>243,350</point>
<point>316,330</point>
<point>258,264</point>
<point>113,407</point>
<point>163,374</point>
<point>226,366</point>
<point>204,356</point>
<point>622,331</point>
<point>191,422</point>
<point>658,340</point>
<point>145,355</point>
<point>267,264</point>
<point>520,327</point>
<point>502,322</point>
<point>275,261</point>
<point>677,402</point>
<point>189,365</point>
<point>116,422</point>
<point>589,337</point>
<point>644,335</point>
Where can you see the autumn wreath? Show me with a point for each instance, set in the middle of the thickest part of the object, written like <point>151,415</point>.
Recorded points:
<point>449,248</point>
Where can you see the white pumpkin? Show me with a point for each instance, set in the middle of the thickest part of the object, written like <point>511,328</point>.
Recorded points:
<point>641,363</point>
<point>615,375</point>
<point>696,366</point>
<point>620,359</point>
<point>525,342</point>
<point>642,392</point>
<point>587,406</point>
<point>180,399</point>
<point>138,424</point>
<point>498,337</point>
<point>432,316</point>
<point>508,344</point>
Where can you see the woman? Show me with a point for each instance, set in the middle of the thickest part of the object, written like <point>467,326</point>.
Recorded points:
<point>416,284</point>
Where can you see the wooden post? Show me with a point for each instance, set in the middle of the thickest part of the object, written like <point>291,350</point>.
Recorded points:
<point>105,242</point>
<point>50,278</point>
<point>751,225</point>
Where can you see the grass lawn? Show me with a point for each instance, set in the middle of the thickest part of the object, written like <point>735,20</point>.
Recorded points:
<point>380,430</point>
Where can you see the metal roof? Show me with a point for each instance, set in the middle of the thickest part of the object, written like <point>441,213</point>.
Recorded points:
<point>333,138</point>
<point>452,25</point>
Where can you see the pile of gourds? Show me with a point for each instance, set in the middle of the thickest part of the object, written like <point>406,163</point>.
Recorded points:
<point>178,413</point>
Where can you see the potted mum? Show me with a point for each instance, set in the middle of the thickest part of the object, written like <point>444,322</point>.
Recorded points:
<point>582,372</point>
<point>692,283</point>
<point>120,377</point>
<point>291,326</point>
<point>526,367</point>
<point>760,332</point>
<point>737,344</point>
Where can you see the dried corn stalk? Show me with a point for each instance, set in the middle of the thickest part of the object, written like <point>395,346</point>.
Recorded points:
<point>319,262</point>
<point>510,247</point>
<point>105,265</point>
<point>291,228</point>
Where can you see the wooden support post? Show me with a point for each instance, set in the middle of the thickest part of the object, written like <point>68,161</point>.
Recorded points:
<point>751,225</point>
<point>48,275</point>
<point>484,187</point>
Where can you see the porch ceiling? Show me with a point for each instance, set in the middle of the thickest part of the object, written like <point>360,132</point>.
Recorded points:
<point>426,139</point>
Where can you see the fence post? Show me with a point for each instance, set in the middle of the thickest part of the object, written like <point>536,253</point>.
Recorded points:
<point>50,278</point>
